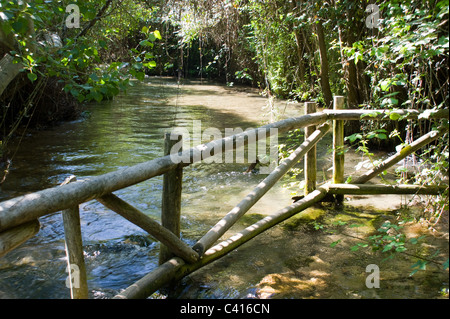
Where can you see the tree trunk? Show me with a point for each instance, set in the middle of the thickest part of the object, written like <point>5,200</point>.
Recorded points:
<point>300,45</point>
<point>324,68</point>
<point>8,69</point>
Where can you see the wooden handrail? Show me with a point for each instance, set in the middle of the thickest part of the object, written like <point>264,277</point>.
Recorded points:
<point>28,207</point>
<point>382,114</point>
<point>19,215</point>
<point>25,208</point>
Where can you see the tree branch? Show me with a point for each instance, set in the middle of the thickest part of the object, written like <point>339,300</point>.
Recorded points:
<point>94,21</point>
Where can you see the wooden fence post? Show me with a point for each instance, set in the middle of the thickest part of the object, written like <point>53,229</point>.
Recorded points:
<point>171,198</point>
<point>310,157</point>
<point>77,279</point>
<point>338,147</point>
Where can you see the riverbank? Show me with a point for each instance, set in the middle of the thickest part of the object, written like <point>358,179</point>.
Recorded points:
<point>308,256</point>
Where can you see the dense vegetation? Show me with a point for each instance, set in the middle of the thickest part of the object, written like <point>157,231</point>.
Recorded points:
<point>56,56</point>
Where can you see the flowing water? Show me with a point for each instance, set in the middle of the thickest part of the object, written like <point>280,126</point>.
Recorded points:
<point>293,260</point>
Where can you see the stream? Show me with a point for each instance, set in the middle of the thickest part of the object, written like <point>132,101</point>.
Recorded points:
<point>295,259</point>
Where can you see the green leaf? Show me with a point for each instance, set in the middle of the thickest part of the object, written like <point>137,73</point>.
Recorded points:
<point>389,101</point>
<point>400,248</point>
<point>32,77</point>
<point>94,77</point>
<point>145,43</point>
<point>20,26</point>
<point>333,244</point>
<point>385,85</point>
<point>388,247</point>
<point>419,265</point>
<point>394,116</point>
<point>74,92</point>
<point>140,76</point>
<point>354,137</point>
<point>98,96</point>
<point>138,66</point>
<point>81,98</point>
<point>157,34</point>
<point>371,114</point>
<point>7,28</point>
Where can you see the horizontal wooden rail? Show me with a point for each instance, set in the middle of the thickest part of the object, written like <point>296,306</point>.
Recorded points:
<point>378,189</point>
<point>383,114</point>
<point>24,208</point>
<point>262,188</point>
<point>28,207</point>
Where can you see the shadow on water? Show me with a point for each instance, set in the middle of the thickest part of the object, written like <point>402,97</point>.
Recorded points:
<point>293,260</point>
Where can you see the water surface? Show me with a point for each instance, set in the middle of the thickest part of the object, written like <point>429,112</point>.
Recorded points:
<point>293,260</point>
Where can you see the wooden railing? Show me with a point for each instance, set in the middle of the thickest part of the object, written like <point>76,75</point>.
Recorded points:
<point>19,216</point>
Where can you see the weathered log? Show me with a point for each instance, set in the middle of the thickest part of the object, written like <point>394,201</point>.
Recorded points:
<point>21,209</point>
<point>171,199</point>
<point>377,189</point>
<point>16,236</point>
<point>310,157</point>
<point>382,115</point>
<point>404,152</point>
<point>329,198</point>
<point>9,68</point>
<point>8,71</point>
<point>240,209</point>
<point>74,250</point>
<point>169,239</point>
<point>151,282</point>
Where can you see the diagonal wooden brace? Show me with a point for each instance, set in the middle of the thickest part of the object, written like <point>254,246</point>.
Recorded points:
<point>169,239</point>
